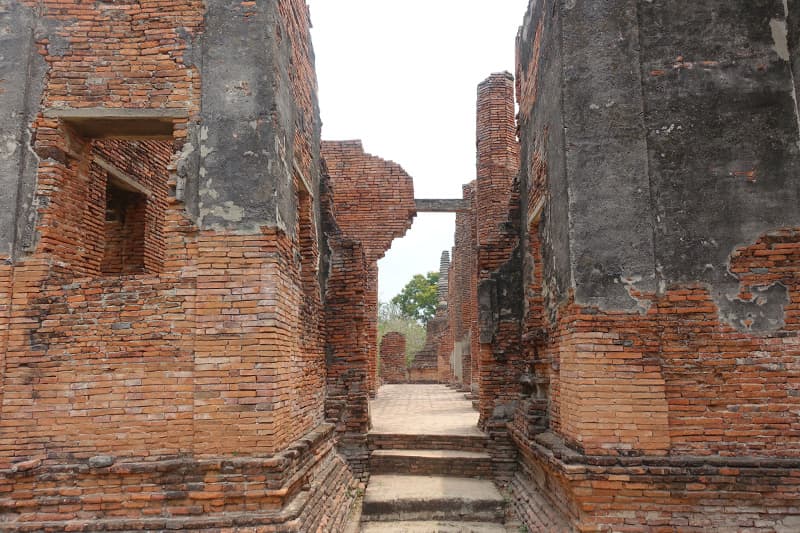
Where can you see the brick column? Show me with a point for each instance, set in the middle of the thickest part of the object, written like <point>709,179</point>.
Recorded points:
<point>497,166</point>
<point>393,358</point>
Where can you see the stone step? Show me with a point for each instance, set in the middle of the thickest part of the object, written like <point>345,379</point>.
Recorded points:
<point>401,441</point>
<point>438,526</point>
<point>419,498</point>
<point>431,462</point>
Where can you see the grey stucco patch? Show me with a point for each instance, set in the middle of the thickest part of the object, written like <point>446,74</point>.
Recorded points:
<point>679,143</point>
<point>725,175</point>
<point>242,171</point>
<point>763,313</point>
<point>611,223</point>
<point>22,71</point>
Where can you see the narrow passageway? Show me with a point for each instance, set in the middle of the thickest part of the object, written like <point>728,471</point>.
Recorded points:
<point>429,465</point>
<point>423,409</point>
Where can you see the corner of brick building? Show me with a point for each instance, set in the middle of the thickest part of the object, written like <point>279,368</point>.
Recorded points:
<point>651,380</point>
<point>164,352</point>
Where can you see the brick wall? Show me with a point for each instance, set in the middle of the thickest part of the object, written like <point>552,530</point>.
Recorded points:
<point>393,358</point>
<point>369,202</point>
<point>347,395</point>
<point>665,405</point>
<point>497,211</point>
<point>159,398</point>
<point>6,273</point>
<point>138,61</point>
<point>373,203</point>
<point>462,293</point>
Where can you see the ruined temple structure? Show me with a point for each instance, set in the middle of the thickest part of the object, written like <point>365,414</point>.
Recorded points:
<point>633,256</point>
<point>187,290</point>
<point>188,274</point>
<point>393,367</point>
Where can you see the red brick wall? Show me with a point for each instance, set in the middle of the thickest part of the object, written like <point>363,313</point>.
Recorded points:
<point>369,202</point>
<point>393,358</point>
<point>347,398</point>
<point>638,382</point>
<point>373,203</point>
<point>6,273</point>
<point>425,366</point>
<point>120,54</point>
<point>555,490</point>
<point>213,356</point>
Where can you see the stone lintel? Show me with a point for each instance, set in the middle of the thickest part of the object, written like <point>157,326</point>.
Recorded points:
<point>104,122</point>
<point>449,205</point>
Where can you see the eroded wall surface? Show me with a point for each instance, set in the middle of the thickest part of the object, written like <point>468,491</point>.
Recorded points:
<point>185,392</point>
<point>660,145</point>
<point>371,203</point>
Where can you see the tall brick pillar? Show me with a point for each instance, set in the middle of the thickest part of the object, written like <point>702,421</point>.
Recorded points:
<point>497,238</point>
<point>461,286</point>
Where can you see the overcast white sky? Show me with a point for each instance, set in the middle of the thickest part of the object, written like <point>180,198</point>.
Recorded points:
<point>401,76</point>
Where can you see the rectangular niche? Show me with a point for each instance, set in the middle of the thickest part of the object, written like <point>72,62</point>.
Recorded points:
<point>129,182</point>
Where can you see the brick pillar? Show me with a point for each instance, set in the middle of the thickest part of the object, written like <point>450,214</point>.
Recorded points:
<point>393,358</point>
<point>497,166</point>
<point>347,401</point>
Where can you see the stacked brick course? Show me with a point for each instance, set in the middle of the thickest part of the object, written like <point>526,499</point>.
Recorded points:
<point>393,358</point>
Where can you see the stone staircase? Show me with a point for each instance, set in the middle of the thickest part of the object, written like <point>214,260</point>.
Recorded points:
<point>425,483</point>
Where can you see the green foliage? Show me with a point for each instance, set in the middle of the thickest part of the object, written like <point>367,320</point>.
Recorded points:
<point>419,298</point>
<point>391,319</point>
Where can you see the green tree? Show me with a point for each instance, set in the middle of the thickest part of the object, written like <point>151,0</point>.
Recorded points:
<point>419,298</point>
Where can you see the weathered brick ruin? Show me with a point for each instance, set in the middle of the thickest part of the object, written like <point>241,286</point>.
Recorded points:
<point>425,366</point>
<point>168,239</point>
<point>188,274</point>
<point>638,293</point>
<point>393,358</point>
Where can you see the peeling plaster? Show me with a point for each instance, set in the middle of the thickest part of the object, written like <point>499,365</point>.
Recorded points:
<point>227,211</point>
<point>780,37</point>
<point>763,313</point>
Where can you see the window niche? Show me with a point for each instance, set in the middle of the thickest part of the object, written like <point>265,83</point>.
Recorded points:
<point>134,177</point>
<point>124,231</point>
<point>106,205</point>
